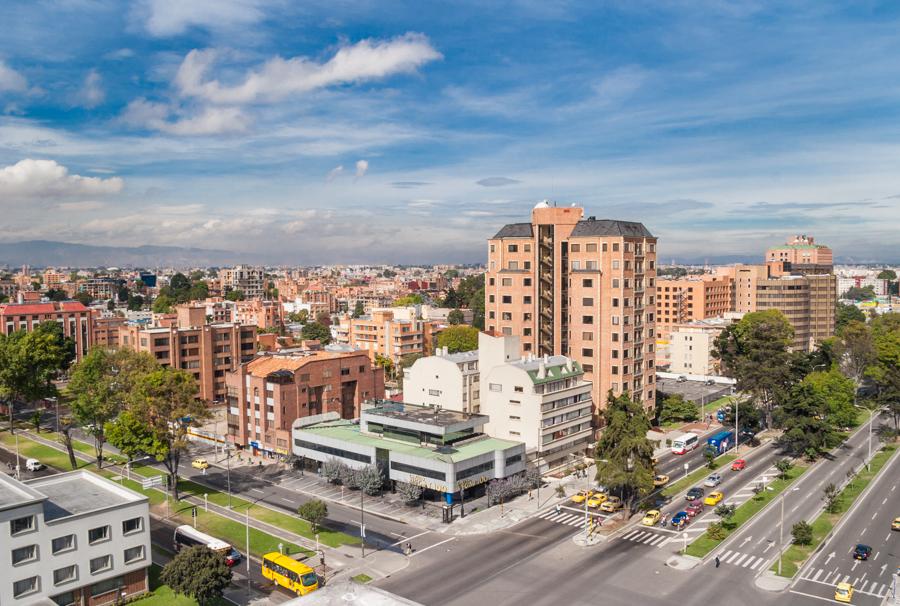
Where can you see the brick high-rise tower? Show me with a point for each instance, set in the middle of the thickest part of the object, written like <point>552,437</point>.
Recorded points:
<point>583,288</point>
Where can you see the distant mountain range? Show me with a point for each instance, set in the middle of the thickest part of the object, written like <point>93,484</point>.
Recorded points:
<point>47,253</point>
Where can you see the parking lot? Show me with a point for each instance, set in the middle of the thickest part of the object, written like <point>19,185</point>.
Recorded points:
<point>695,391</point>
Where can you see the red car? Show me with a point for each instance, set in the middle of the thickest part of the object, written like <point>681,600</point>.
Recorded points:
<point>738,465</point>
<point>694,509</point>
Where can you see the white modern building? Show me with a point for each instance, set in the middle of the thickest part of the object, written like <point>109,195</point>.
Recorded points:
<point>451,381</point>
<point>73,538</point>
<point>691,346</point>
<point>862,280</point>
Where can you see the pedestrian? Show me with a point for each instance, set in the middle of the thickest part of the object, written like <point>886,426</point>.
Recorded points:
<point>557,508</point>
<point>717,561</point>
<point>529,495</point>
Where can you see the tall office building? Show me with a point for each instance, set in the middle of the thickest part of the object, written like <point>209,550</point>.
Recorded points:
<point>578,287</point>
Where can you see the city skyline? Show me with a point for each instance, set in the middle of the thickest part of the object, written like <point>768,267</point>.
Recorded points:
<point>354,134</point>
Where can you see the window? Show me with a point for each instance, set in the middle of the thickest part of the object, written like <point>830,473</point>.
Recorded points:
<point>588,367</point>
<point>21,555</point>
<point>506,330</point>
<point>101,564</point>
<point>512,248</point>
<point>490,281</point>
<point>615,354</point>
<point>507,299</point>
<point>495,387</point>
<point>590,248</point>
<point>615,264</point>
<point>95,535</point>
<point>615,302</point>
<point>587,283</point>
<point>337,452</point>
<point>576,265</point>
<point>492,248</point>
<point>587,301</point>
<point>527,248</point>
<point>506,316</point>
<point>134,554</point>
<point>615,320</point>
<point>615,370</point>
<point>21,525</point>
<point>419,471</point>
<point>587,336</point>
<point>615,247</point>
<point>25,586</point>
<point>575,248</point>
<point>63,544</point>
<point>434,392</point>
<point>526,281</point>
<point>526,300</point>
<point>513,265</point>
<point>133,525</point>
<point>588,353</point>
<point>587,319</point>
<point>65,574</point>
<point>491,298</point>
<point>506,281</point>
<point>526,332</point>
<point>518,389</point>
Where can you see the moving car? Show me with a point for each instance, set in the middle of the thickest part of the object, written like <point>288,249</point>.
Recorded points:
<point>651,518</point>
<point>713,480</point>
<point>660,480</point>
<point>843,592</point>
<point>694,509</point>
<point>862,552</point>
<point>680,519</point>
<point>895,525</point>
<point>200,464</point>
<point>33,465</point>
<point>612,504</point>
<point>596,500</point>
<point>581,495</point>
<point>714,498</point>
<point>738,464</point>
<point>694,493</point>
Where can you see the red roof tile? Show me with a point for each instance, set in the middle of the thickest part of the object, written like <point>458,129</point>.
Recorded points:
<point>27,309</point>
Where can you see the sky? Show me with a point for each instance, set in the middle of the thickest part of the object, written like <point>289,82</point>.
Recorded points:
<point>410,132</point>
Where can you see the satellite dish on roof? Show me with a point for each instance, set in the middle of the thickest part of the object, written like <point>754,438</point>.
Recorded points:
<point>543,204</point>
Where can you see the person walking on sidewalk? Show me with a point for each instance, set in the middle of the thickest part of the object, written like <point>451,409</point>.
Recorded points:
<point>717,561</point>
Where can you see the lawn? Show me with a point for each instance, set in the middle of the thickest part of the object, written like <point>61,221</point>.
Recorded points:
<point>704,543</point>
<point>162,595</point>
<point>675,487</point>
<point>29,449</point>
<point>362,578</point>
<point>796,555</point>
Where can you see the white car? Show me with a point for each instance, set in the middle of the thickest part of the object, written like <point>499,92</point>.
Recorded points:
<point>33,465</point>
<point>713,480</point>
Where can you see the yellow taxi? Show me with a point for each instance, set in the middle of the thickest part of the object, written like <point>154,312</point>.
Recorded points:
<point>611,505</point>
<point>651,518</point>
<point>200,464</point>
<point>660,480</point>
<point>713,498</point>
<point>843,592</point>
<point>581,495</point>
<point>895,525</point>
<point>596,499</point>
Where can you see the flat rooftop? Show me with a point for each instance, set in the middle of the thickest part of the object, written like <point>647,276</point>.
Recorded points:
<point>78,492</point>
<point>416,413</point>
<point>14,493</point>
<point>348,431</point>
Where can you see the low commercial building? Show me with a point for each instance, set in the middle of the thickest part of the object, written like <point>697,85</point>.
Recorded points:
<point>440,450</point>
<point>267,394</point>
<point>73,538</point>
<point>75,319</point>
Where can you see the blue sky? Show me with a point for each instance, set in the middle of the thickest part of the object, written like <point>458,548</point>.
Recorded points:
<point>410,132</point>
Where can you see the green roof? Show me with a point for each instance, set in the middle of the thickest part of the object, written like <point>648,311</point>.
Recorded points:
<point>348,431</point>
<point>801,246</point>
<point>555,373</point>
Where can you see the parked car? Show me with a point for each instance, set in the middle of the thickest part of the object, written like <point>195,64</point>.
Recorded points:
<point>581,495</point>
<point>611,505</point>
<point>680,519</point>
<point>651,518</point>
<point>713,480</point>
<point>33,465</point>
<point>738,464</point>
<point>681,379</point>
<point>694,493</point>
<point>596,499</point>
<point>862,552</point>
<point>694,509</point>
<point>714,498</point>
<point>200,464</point>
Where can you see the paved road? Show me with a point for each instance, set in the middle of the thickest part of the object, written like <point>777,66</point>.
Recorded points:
<point>869,522</point>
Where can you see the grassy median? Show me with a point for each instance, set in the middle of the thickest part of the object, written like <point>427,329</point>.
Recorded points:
<point>696,476</point>
<point>705,543</point>
<point>796,555</point>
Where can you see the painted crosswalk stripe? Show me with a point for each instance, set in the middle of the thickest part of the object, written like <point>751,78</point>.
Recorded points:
<point>640,537</point>
<point>756,562</point>
<point>650,539</point>
<point>818,574</point>
<point>659,538</point>
<point>732,557</point>
<point>631,534</point>
<point>738,561</point>
<point>724,555</point>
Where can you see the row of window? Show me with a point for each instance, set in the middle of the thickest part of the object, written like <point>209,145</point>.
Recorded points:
<point>68,574</point>
<point>337,452</point>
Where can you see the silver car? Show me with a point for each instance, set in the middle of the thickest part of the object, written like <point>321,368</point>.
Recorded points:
<point>713,480</point>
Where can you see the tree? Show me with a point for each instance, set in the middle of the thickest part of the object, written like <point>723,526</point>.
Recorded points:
<point>409,300</point>
<point>802,533</point>
<point>84,298</point>
<point>836,393</point>
<point>710,455</point>
<point>676,408</point>
<point>624,454</point>
<point>887,274</point>
<point>455,317</point>
<point>716,531</point>
<point>55,294</point>
<point>359,309</point>
<point>122,293</point>
<point>332,469</point>
<point>386,363</point>
<point>179,282</point>
<point>235,295</point>
<point>805,428</point>
<point>855,293</point>
<point>725,512</point>
<point>323,318</point>
<point>755,352</point>
<point>831,495</point>
<point>407,360</point>
<point>135,303</point>
<point>163,304</point>
<point>370,479</point>
<point>452,300</point>
<point>36,418</point>
<point>198,291</point>
<point>388,273</point>
<point>198,572</point>
<point>129,434</point>
<point>855,349</point>
<point>314,512</point>
<point>313,331</point>
<point>66,425</point>
<point>783,466</point>
<point>844,314</point>
<point>349,477</point>
<point>458,338</point>
<point>885,368</point>
<point>411,493</point>
<point>166,402</point>
<point>29,362</point>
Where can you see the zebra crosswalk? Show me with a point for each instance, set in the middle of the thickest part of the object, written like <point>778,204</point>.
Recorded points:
<point>567,517</point>
<point>873,587</point>
<point>647,537</point>
<point>744,560</point>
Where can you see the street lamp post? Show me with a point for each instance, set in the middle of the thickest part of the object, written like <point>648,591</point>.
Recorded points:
<point>248,550</point>
<point>781,535</point>
<point>228,473</point>
<point>362,522</point>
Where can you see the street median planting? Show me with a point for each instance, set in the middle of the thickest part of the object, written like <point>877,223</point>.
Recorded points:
<point>706,543</point>
<point>795,555</point>
<point>29,449</point>
<point>697,475</point>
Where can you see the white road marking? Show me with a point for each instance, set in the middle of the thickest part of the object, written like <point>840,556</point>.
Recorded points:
<point>884,501</point>
<point>421,551</point>
<point>818,574</point>
<point>733,556</point>
<point>405,539</point>
<point>257,490</point>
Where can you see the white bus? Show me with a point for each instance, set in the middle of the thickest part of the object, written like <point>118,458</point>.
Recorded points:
<point>187,536</point>
<point>685,443</point>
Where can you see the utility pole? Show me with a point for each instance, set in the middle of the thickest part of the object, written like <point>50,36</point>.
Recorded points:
<point>737,431</point>
<point>362,522</point>
<point>249,505</point>
<point>871,422</point>
<point>228,476</point>
<point>781,535</point>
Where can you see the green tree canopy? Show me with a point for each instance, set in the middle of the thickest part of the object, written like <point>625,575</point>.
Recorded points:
<point>314,512</point>
<point>455,317</point>
<point>29,362</point>
<point>235,295</point>
<point>836,392</point>
<point>624,454</point>
<point>163,304</point>
<point>855,293</point>
<point>846,313</point>
<point>885,368</point>
<point>198,572</point>
<point>409,300</point>
<point>887,274</point>
<point>315,331</point>
<point>676,408</point>
<point>359,309</point>
<point>802,418</point>
<point>458,338</point>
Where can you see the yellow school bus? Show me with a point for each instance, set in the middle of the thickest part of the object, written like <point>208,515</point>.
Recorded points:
<point>289,573</point>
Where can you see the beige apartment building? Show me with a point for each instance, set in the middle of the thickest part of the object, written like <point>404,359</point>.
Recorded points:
<point>267,394</point>
<point>385,334</point>
<point>800,253</point>
<point>583,288</point>
<point>683,300</point>
<point>76,320</point>
<point>249,280</point>
<point>692,344</point>
<point>106,330</point>
<point>256,312</point>
<point>207,351</point>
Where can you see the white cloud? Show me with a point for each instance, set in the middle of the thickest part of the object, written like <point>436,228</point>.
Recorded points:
<point>142,113</point>
<point>334,173</point>
<point>91,94</point>
<point>11,80</point>
<point>118,55</point>
<point>171,17</point>
<point>85,205</point>
<point>278,77</point>
<point>45,178</point>
<point>362,167</point>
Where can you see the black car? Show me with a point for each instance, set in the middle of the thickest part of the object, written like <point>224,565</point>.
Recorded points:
<point>694,493</point>
<point>862,552</point>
